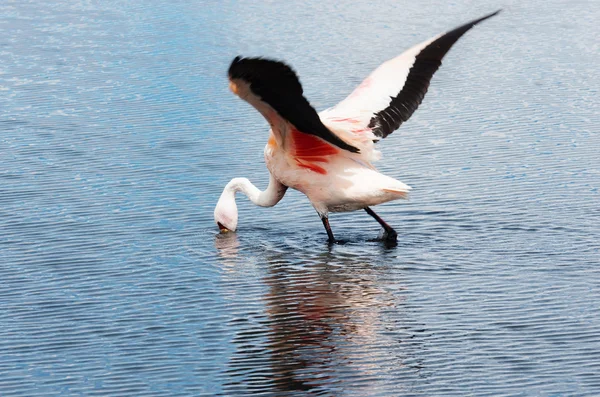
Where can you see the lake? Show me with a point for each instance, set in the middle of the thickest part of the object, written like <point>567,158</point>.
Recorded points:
<point>118,134</point>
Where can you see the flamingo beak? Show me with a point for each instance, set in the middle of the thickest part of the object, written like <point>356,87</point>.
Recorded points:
<point>222,228</point>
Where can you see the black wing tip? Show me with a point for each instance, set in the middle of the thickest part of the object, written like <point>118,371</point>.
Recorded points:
<point>351,149</point>
<point>417,81</point>
<point>277,84</point>
<point>462,29</point>
<point>475,22</point>
<point>235,61</point>
<point>337,141</point>
<point>454,34</point>
<point>498,11</point>
<point>241,66</point>
<point>268,74</point>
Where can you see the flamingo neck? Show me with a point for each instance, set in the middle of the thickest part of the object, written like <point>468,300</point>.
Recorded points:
<point>266,198</point>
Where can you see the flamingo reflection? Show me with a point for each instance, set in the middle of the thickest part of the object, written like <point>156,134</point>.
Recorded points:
<point>320,328</point>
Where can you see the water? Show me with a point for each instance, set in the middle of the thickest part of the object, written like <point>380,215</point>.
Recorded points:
<point>118,133</point>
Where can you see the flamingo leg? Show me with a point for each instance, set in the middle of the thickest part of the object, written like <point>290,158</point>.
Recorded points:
<point>325,220</point>
<point>390,233</point>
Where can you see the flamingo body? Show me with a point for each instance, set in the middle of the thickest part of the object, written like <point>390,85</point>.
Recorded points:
<point>333,181</point>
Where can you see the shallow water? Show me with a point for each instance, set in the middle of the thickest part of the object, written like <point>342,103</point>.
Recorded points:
<point>118,134</point>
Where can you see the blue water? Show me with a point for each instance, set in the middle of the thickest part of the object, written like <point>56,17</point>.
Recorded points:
<point>118,133</point>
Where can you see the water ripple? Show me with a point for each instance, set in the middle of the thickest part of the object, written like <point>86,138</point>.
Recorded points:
<point>118,133</point>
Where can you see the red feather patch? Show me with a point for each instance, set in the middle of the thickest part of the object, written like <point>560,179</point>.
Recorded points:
<point>309,149</point>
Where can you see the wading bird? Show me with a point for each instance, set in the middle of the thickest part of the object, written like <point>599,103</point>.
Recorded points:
<point>328,156</point>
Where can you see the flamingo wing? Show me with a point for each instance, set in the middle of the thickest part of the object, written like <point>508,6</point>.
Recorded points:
<point>273,88</point>
<point>392,93</point>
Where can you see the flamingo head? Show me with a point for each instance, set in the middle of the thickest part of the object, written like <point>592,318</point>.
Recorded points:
<point>226,213</point>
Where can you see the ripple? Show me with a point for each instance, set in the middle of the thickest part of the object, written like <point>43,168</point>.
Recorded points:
<point>118,134</point>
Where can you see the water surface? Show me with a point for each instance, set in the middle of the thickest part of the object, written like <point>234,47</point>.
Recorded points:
<point>118,133</point>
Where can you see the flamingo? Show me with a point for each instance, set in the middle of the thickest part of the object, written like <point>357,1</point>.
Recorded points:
<point>328,156</point>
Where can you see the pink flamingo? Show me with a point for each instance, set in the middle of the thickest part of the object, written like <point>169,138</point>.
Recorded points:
<point>328,156</point>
